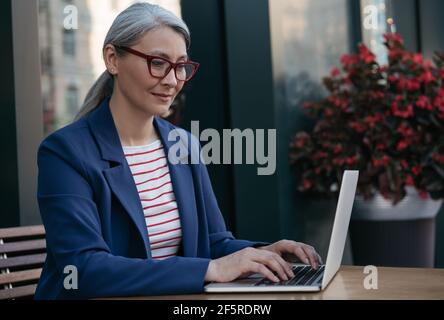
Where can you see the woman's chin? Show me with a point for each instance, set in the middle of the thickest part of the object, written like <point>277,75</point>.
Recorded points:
<point>160,109</point>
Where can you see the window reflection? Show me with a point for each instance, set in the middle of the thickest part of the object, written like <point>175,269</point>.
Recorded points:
<point>71,60</point>
<point>309,36</point>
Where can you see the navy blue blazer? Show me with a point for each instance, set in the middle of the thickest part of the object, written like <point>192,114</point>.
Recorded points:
<point>94,218</point>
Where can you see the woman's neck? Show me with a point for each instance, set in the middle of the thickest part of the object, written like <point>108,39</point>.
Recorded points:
<point>134,127</point>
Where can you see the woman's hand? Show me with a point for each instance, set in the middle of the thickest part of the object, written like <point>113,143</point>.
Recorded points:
<point>305,253</point>
<point>246,262</point>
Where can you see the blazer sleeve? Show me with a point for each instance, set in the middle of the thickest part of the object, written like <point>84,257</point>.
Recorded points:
<point>222,241</point>
<point>73,236</point>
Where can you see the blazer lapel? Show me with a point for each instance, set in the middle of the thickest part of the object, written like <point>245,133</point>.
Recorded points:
<point>182,181</point>
<point>119,175</point>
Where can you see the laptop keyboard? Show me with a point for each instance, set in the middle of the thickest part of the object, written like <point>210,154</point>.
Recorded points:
<point>303,276</point>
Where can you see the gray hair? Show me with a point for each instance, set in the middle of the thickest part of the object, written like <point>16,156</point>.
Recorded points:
<point>127,29</point>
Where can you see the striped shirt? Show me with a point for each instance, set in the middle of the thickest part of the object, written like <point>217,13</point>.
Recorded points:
<point>149,167</point>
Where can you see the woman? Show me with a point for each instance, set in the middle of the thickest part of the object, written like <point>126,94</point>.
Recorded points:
<point>114,208</point>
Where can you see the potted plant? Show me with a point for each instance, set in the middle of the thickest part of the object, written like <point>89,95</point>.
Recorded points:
<point>387,121</point>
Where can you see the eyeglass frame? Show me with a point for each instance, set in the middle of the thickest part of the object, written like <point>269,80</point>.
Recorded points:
<point>172,65</point>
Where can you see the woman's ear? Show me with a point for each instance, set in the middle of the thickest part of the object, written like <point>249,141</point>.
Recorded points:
<point>110,58</point>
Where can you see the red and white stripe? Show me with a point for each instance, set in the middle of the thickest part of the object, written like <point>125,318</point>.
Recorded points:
<point>149,167</point>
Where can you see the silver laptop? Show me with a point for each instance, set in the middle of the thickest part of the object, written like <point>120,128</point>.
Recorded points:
<point>307,278</point>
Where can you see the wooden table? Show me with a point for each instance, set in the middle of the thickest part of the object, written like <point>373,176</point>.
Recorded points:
<point>393,283</point>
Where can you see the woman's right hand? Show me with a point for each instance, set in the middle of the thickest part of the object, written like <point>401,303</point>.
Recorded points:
<point>246,262</point>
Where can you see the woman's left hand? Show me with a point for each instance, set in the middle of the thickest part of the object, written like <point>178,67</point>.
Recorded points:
<point>304,252</point>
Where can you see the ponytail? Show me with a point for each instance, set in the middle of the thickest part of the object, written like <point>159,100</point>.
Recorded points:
<point>101,89</point>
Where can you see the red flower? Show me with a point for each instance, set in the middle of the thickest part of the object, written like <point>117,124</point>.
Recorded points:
<point>423,102</point>
<point>335,72</point>
<point>338,102</point>
<point>409,180</point>
<point>392,78</point>
<point>377,94</point>
<point>348,60</point>
<point>402,144</point>
<point>405,130</point>
<point>393,37</point>
<point>382,162</point>
<point>351,160</point>
<point>365,54</point>
<point>358,127</point>
<point>413,85</point>
<point>404,112</point>
<point>338,161</point>
<point>394,54</point>
<point>417,58</point>
<point>372,120</point>
<point>427,64</point>
<point>307,184</point>
<point>338,149</point>
<point>401,84</point>
<point>416,170</point>
<point>427,77</point>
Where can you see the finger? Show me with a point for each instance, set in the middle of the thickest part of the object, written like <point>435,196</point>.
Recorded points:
<point>301,255</point>
<point>287,266</point>
<point>312,255</point>
<point>260,268</point>
<point>271,262</point>
<point>320,259</point>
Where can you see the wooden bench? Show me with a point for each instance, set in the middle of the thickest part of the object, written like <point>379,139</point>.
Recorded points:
<point>22,254</point>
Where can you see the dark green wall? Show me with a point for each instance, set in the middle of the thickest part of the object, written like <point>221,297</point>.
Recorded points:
<point>431,26</point>
<point>207,94</point>
<point>9,196</point>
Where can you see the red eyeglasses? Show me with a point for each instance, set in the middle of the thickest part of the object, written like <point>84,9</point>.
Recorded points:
<point>159,67</point>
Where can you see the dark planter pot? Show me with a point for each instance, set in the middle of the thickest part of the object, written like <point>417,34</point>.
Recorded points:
<point>408,243</point>
<point>394,236</point>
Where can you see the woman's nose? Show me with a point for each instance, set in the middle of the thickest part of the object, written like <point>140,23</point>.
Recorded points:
<point>170,78</point>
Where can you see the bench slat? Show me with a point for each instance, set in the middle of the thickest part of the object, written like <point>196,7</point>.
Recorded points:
<point>38,230</point>
<point>20,246</point>
<point>24,291</point>
<point>22,261</point>
<point>18,276</point>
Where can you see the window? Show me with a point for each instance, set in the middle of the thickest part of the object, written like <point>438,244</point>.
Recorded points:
<point>308,38</point>
<point>72,101</point>
<point>69,45</point>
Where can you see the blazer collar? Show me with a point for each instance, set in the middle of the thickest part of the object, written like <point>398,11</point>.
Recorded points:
<point>120,179</point>
<point>104,130</point>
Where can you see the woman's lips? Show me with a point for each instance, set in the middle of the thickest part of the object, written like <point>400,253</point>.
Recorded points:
<point>162,97</point>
